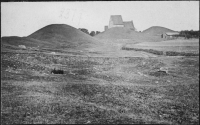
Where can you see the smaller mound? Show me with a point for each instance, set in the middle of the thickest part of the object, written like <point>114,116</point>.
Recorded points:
<point>118,33</point>
<point>157,30</point>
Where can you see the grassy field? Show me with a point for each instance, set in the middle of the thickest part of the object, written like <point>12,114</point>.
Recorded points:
<point>172,47</point>
<point>187,49</point>
<point>175,42</point>
<point>96,90</point>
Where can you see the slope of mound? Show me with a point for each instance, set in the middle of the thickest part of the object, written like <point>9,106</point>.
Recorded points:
<point>29,42</point>
<point>64,36</point>
<point>118,33</point>
<point>157,30</point>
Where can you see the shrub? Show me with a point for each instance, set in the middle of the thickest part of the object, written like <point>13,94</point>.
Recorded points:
<point>155,52</point>
<point>171,53</point>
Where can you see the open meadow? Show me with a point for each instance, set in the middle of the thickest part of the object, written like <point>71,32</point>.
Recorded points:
<point>98,90</point>
<point>176,45</point>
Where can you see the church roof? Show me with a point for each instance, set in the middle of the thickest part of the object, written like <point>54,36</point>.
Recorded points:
<point>129,24</point>
<point>117,19</point>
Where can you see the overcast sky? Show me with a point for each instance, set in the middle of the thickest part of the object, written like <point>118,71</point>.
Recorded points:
<point>24,18</point>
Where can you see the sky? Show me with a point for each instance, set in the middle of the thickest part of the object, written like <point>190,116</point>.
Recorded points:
<point>24,18</point>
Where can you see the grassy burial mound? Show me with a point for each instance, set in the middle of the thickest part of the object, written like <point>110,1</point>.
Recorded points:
<point>119,33</point>
<point>157,30</point>
<point>64,36</point>
<point>55,36</point>
<point>154,33</point>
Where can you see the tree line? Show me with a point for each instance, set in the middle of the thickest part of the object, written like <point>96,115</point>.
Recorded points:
<point>189,34</point>
<point>92,33</point>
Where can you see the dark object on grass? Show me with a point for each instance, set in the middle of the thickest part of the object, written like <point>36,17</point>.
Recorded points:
<point>158,73</point>
<point>54,71</point>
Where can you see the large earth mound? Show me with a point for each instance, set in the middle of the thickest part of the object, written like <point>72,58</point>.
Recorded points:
<point>64,36</point>
<point>156,30</point>
<point>55,36</point>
